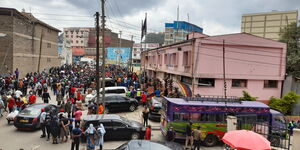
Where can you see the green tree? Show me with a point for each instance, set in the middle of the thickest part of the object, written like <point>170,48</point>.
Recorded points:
<point>247,97</point>
<point>155,38</point>
<point>285,104</point>
<point>291,36</point>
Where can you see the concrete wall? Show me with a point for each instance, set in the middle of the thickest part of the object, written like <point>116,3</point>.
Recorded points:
<point>268,25</point>
<point>23,42</point>
<point>6,46</point>
<point>247,57</point>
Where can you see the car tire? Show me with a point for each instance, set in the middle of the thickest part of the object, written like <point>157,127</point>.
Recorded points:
<point>210,140</point>
<point>132,108</point>
<point>135,136</point>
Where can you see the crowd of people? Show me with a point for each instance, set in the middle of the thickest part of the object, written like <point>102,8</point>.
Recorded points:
<point>69,84</point>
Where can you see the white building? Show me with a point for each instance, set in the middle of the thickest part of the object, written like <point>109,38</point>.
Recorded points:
<point>64,50</point>
<point>136,53</point>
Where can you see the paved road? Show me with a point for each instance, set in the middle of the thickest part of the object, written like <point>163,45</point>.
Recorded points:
<point>12,139</point>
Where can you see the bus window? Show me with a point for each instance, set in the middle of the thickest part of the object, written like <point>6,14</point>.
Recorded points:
<point>181,117</point>
<point>220,118</point>
<point>195,117</point>
<point>262,118</point>
<point>208,117</point>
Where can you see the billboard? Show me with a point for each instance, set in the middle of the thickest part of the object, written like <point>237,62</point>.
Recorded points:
<point>117,55</point>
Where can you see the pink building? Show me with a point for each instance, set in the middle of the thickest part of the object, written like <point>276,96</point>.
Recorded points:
<point>252,64</point>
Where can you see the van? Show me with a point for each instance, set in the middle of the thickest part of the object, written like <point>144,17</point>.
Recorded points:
<point>118,90</point>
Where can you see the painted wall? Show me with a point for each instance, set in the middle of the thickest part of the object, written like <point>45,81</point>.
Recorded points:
<point>119,54</point>
<point>248,57</point>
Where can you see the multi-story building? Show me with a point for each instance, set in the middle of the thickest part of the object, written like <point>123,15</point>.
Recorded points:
<point>269,24</point>
<point>78,37</point>
<point>64,50</point>
<point>111,39</point>
<point>83,41</point>
<point>29,44</point>
<point>178,31</point>
<point>138,48</point>
<point>252,64</point>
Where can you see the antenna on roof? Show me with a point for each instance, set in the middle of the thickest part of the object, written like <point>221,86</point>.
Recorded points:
<point>23,9</point>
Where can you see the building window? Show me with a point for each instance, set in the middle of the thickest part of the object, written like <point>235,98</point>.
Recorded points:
<point>134,55</point>
<point>207,82</point>
<point>71,36</point>
<point>67,36</point>
<point>239,83</point>
<point>187,80</point>
<point>66,32</point>
<point>81,41</point>
<point>49,30</point>
<point>270,83</point>
<point>166,59</point>
<point>48,59</point>
<point>71,41</point>
<point>48,45</point>
<point>81,32</point>
<point>186,60</point>
<point>76,41</point>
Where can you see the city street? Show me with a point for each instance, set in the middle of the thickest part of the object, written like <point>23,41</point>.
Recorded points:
<point>13,139</point>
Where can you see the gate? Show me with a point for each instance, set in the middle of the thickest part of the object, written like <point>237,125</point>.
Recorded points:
<point>279,137</point>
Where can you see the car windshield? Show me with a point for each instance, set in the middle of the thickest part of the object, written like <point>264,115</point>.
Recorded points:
<point>31,111</point>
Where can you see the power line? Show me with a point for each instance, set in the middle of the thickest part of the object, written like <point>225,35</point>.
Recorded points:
<point>242,52</point>
<point>238,44</point>
<point>261,63</point>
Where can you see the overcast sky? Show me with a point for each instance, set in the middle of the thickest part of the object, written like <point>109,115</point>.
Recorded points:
<point>214,16</point>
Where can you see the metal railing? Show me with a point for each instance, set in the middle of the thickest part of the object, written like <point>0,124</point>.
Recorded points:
<point>278,136</point>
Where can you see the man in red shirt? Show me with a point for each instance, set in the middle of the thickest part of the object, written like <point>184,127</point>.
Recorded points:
<point>144,99</point>
<point>11,103</point>
<point>32,99</point>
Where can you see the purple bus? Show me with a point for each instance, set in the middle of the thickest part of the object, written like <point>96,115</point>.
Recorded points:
<point>211,114</point>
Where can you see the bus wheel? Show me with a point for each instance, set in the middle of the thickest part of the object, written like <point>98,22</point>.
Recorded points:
<point>210,140</point>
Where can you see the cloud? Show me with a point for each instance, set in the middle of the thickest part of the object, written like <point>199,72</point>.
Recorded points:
<point>215,16</point>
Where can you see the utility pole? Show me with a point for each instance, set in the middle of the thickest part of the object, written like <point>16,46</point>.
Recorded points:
<point>130,55</point>
<point>103,53</point>
<point>119,51</point>
<point>224,79</point>
<point>40,54</point>
<point>97,59</point>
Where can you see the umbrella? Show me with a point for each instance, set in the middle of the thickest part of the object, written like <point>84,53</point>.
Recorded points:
<point>246,140</point>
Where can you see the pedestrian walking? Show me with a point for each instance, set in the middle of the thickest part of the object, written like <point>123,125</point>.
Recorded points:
<point>54,124</point>
<point>77,116</point>
<point>197,138</point>
<point>47,124</point>
<point>144,99</point>
<point>145,115</point>
<point>189,137</point>
<point>46,96</point>
<point>64,127</point>
<point>75,136</point>
<point>90,133</point>
<point>43,123</point>
<point>101,132</point>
